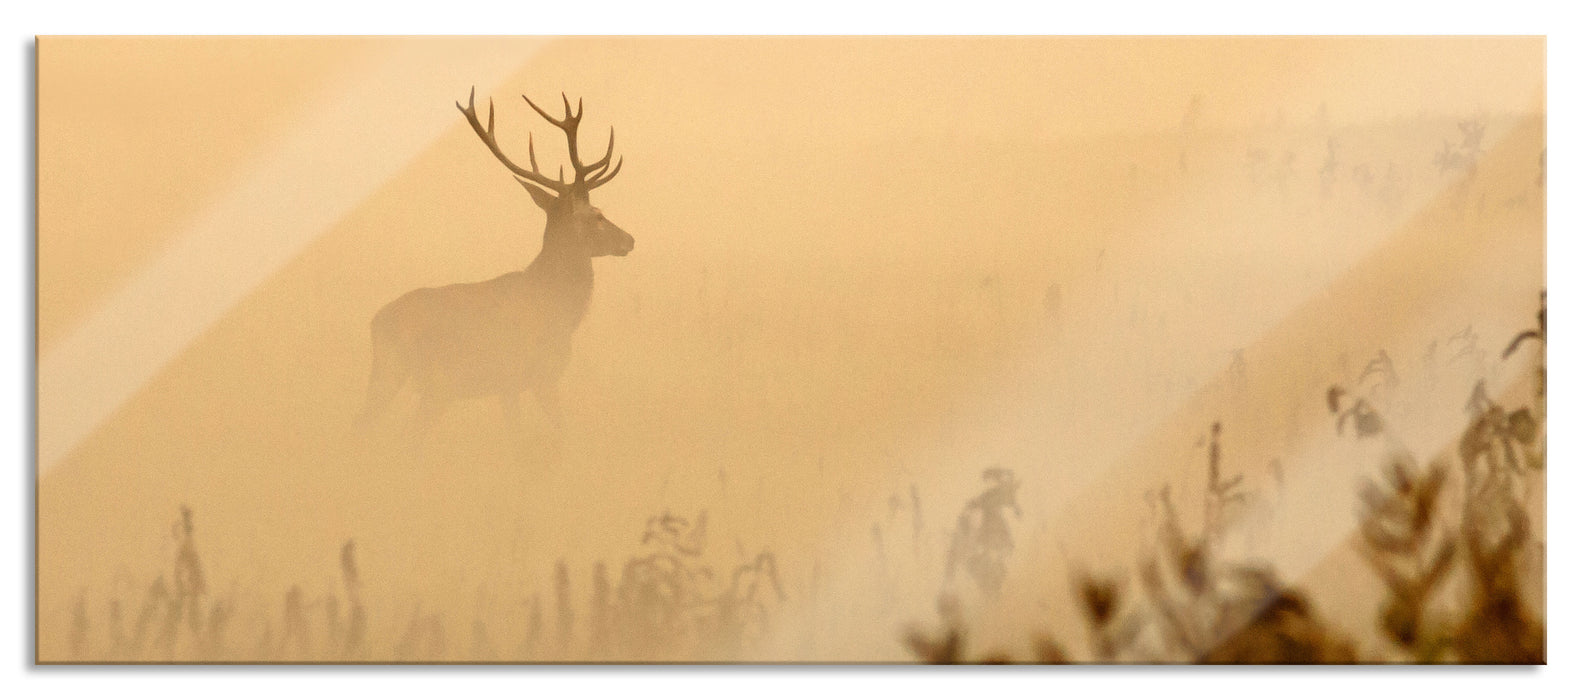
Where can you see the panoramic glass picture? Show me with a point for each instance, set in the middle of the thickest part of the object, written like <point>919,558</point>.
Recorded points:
<point>1051,350</point>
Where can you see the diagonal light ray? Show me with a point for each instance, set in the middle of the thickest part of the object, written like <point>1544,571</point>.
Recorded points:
<point>336,156</point>
<point>1074,501</point>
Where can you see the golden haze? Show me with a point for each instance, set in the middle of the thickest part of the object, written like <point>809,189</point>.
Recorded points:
<point>862,265</point>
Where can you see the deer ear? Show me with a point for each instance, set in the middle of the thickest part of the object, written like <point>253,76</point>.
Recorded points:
<point>544,200</point>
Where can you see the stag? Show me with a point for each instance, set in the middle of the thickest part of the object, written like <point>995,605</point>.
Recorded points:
<point>513,333</point>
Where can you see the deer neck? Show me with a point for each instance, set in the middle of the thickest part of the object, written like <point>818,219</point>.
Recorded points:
<point>565,278</point>
<point>563,266</point>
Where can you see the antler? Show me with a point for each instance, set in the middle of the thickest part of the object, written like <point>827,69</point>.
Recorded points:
<point>600,170</point>
<point>558,186</point>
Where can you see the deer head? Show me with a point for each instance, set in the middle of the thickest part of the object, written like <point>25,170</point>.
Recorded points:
<point>574,226</point>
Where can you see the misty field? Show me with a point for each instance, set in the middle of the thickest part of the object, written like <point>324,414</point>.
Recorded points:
<point>906,369</point>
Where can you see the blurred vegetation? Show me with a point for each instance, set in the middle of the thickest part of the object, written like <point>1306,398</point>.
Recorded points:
<point>1459,579</point>
<point>666,606</point>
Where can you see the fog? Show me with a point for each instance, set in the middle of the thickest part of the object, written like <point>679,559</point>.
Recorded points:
<point>865,271</point>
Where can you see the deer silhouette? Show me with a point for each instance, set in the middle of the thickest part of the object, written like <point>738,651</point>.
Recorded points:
<point>512,333</point>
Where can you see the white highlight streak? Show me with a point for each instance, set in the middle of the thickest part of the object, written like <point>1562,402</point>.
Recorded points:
<point>259,226</point>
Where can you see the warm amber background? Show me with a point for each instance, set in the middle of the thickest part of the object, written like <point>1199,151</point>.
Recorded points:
<point>843,247</point>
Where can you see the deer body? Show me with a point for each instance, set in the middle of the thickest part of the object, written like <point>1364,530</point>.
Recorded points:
<point>512,333</point>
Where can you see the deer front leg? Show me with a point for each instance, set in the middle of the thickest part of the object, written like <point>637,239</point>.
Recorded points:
<point>511,408</point>
<point>548,398</point>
